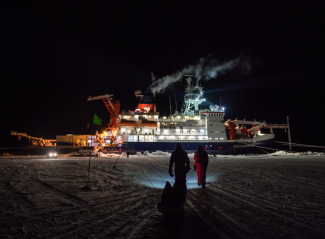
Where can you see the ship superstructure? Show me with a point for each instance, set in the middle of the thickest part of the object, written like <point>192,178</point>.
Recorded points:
<point>144,124</point>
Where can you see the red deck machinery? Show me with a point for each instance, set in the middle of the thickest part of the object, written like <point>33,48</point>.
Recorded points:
<point>114,109</point>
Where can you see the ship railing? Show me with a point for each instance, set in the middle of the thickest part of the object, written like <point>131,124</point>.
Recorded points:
<point>275,126</point>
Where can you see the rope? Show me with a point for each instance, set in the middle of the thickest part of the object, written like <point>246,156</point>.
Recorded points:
<point>276,149</point>
<point>271,148</point>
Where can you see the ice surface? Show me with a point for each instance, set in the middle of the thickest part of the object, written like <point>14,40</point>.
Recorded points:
<point>257,196</point>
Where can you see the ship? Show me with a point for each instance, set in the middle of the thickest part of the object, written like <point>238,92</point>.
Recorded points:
<point>144,129</point>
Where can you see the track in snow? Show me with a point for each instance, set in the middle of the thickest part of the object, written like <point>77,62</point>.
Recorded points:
<point>246,197</point>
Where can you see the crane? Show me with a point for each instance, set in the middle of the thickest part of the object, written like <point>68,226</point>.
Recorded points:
<point>113,108</point>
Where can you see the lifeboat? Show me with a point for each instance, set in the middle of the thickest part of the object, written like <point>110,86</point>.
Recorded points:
<point>143,107</point>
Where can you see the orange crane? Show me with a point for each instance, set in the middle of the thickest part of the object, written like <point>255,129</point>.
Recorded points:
<point>114,109</point>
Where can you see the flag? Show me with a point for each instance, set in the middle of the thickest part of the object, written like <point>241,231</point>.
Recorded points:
<point>97,120</point>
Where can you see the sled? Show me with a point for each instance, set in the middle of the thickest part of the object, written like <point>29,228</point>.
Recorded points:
<point>172,200</point>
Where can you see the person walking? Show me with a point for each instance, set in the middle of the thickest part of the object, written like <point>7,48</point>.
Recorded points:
<point>182,164</point>
<point>201,161</point>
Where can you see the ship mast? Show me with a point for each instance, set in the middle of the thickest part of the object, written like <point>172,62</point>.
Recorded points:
<point>193,97</point>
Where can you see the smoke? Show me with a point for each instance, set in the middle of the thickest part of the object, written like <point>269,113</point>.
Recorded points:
<point>205,69</point>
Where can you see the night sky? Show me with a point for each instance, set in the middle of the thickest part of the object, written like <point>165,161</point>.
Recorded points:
<point>54,56</point>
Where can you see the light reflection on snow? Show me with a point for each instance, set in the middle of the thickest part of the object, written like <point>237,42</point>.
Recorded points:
<point>158,182</point>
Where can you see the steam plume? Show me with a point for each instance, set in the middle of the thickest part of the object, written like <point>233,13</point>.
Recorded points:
<point>205,69</point>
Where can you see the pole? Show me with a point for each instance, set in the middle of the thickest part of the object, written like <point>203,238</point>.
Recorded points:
<point>220,100</point>
<point>117,159</point>
<point>289,136</point>
<point>92,131</point>
<point>175,101</point>
<point>170,105</point>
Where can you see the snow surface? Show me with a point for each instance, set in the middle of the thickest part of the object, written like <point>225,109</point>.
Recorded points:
<point>309,153</point>
<point>246,197</point>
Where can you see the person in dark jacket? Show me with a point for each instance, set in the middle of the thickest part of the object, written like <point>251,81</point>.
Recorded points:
<point>201,161</point>
<point>182,164</point>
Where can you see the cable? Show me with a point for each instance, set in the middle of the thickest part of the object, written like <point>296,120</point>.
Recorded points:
<point>271,148</point>
<point>275,149</point>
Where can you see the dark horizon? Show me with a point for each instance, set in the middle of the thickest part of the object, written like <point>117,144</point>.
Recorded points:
<point>54,56</point>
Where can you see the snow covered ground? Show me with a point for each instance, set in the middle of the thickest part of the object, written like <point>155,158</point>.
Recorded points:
<point>246,197</point>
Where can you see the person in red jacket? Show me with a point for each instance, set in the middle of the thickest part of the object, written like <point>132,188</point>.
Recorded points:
<point>201,161</point>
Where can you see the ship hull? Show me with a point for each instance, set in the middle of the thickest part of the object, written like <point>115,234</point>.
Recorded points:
<point>223,147</point>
